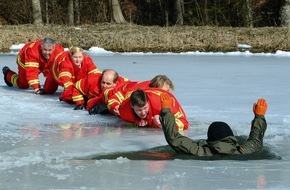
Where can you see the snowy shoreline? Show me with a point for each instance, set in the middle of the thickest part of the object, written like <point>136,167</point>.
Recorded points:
<point>95,51</point>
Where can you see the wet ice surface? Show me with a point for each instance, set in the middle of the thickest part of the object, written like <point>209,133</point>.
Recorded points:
<point>43,142</point>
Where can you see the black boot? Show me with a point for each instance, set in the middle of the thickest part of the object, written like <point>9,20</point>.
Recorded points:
<point>5,70</point>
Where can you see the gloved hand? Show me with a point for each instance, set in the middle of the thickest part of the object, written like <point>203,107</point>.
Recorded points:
<point>99,109</point>
<point>80,107</point>
<point>166,101</point>
<point>39,91</point>
<point>260,107</point>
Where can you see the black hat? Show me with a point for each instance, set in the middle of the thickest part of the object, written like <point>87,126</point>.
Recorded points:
<point>218,130</point>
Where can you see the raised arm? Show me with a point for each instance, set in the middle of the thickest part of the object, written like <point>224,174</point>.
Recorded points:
<point>258,128</point>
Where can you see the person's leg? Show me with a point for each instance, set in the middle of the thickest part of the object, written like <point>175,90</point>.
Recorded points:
<point>14,79</point>
<point>50,85</point>
<point>20,80</point>
<point>218,130</point>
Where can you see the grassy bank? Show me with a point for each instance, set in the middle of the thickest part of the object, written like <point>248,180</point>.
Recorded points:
<point>128,38</point>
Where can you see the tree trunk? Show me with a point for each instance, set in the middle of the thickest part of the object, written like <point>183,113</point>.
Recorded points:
<point>46,12</point>
<point>285,14</point>
<point>179,10</point>
<point>36,10</point>
<point>206,18</point>
<point>77,11</point>
<point>116,12</point>
<point>249,15</point>
<point>70,12</point>
<point>166,13</point>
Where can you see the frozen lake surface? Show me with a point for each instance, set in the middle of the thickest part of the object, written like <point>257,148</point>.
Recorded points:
<point>45,144</point>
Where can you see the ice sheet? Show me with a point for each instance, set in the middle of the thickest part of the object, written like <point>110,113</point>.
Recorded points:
<point>42,139</point>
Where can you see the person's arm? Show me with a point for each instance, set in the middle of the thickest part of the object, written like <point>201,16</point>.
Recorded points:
<point>177,141</point>
<point>91,66</point>
<point>258,128</point>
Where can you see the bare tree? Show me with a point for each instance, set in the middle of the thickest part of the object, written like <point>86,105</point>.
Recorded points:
<point>166,12</point>
<point>173,12</point>
<point>285,14</point>
<point>46,12</point>
<point>116,12</point>
<point>77,11</point>
<point>179,10</point>
<point>36,10</point>
<point>70,12</point>
<point>249,15</point>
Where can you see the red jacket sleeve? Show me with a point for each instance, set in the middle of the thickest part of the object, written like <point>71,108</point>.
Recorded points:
<point>94,101</point>
<point>66,76</point>
<point>114,97</point>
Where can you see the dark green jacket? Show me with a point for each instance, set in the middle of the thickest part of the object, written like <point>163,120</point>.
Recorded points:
<point>228,145</point>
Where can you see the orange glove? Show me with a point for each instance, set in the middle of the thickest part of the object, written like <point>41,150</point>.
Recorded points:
<point>166,101</point>
<point>260,107</point>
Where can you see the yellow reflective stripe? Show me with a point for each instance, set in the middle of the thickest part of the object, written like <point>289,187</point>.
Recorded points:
<point>94,71</point>
<point>19,62</point>
<point>77,98</point>
<point>128,94</point>
<point>126,79</point>
<point>34,81</point>
<point>67,84</point>
<point>120,96</point>
<point>106,94</point>
<point>179,123</point>
<point>31,45</point>
<point>14,79</point>
<point>110,102</point>
<point>154,92</point>
<point>31,64</point>
<point>53,70</point>
<point>178,114</point>
<point>78,86</point>
<point>181,132</point>
<point>65,74</point>
<point>54,65</point>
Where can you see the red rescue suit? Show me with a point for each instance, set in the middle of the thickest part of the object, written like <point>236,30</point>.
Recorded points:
<point>88,89</point>
<point>30,63</point>
<point>65,73</point>
<point>114,97</point>
<point>128,115</point>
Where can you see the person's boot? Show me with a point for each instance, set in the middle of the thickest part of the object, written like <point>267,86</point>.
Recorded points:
<point>5,70</point>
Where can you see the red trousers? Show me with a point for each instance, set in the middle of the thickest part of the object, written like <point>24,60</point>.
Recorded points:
<point>19,79</point>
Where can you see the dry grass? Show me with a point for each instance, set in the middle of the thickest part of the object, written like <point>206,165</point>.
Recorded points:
<point>127,38</point>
